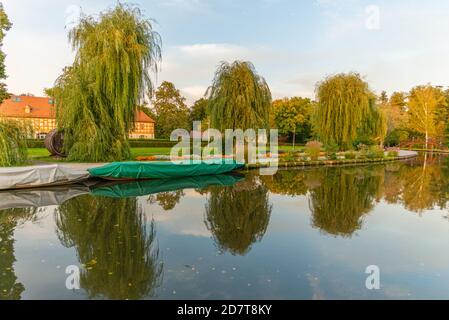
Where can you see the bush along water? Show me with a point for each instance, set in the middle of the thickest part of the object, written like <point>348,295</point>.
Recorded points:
<point>13,146</point>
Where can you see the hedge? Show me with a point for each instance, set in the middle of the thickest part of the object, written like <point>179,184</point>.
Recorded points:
<point>35,143</point>
<point>134,143</point>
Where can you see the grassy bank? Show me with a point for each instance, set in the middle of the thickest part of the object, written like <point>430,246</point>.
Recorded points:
<point>41,154</point>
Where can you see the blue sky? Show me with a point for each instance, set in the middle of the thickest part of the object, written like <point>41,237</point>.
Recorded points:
<point>394,44</point>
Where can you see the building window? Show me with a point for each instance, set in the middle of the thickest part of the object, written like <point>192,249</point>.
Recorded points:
<point>16,99</point>
<point>51,101</point>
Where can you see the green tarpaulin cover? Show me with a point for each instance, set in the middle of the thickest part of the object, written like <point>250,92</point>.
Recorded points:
<point>146,187</point>
<point>163,170</point>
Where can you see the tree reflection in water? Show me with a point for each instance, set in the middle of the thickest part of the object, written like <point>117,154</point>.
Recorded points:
<point>166,200</point>
<point>344,196</point>
<point>238,216</point>
<point>10,220</point>
<point>118,252</point>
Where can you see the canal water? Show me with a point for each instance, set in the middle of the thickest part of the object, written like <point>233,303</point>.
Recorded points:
<point>301,234</point>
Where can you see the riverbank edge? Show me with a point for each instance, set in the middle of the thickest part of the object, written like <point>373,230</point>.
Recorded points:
<point>329,163</point>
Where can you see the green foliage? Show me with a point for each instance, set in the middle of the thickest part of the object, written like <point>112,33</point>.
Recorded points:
<point>375,152</point>
<point>170,110</point>
<point>97,97</point>
<point>396,137</point>
<point>13,144</point>
<point>350,155</point>
<point>344,102</point>
<point>332,150</point>
<point>198,112</point>
<point>5,25</point>
<point>290,156</point>
<point>238,98</point>
<point>374,128</point>
<point>293,117</point>
<point>392,152</point>
<point>313,149</point>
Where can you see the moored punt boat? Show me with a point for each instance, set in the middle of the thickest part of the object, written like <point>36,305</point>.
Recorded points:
<point>40,176</point>
<point>164,170</point>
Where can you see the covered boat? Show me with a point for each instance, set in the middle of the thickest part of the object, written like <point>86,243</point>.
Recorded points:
<point>40,176</point>
<point>163,170</point>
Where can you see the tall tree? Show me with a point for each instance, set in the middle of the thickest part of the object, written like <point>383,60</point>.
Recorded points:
<point>170,110</point>
<point>383,98</point>
<point>238,98</point>
<point>344,102</point>
<point>5,25</point>
<point>423,105</point>
<point>398,99</point>
<point>198,112</point>
<point>293,116</point>
<point>97,97</point>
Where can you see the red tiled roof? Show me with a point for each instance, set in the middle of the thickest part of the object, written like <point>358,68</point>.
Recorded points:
<point>142,117</point>
<point>40,107</point>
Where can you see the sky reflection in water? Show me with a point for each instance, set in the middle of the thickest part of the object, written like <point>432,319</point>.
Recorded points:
<point>302,234</point>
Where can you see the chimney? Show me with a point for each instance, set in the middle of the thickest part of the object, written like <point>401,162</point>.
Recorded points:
<point>28,109</point>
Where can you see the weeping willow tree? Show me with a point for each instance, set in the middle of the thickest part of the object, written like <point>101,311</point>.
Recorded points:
<point>114,244</point>
<point>343,197</point>
<point>238,98</point>
<point>375,126</point>
<point>13,146</point>
<point>97,97</point>
<point>238,218</point>
<point>344,105</point>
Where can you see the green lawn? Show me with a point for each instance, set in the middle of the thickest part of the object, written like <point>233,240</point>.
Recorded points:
<point>40,154</point>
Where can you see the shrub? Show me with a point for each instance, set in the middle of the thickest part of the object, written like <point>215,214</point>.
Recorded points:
<point>375,152</point>
<point>363,151</point>
<point>289,157</point>
<point>13,146</point>
<point>35,143</point>
<point>350,155</point>
<point>313,149</point>
<point>393,152</point>
<point>332,150</point>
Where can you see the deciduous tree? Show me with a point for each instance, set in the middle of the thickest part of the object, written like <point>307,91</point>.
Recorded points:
<point>98,96</point>
<point>5,25</point>
<point>423,106</point>
<point>293,116</point>
<point>170,110</point>
<point>238,98</point>
<point>343,108</point>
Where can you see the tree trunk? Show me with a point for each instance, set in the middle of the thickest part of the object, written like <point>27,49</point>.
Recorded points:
<point>427,139</point>
<point>294,138</point>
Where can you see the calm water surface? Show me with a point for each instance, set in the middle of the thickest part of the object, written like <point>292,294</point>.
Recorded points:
<point>302,234</point>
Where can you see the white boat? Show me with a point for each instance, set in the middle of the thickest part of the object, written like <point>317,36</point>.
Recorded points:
<point>40,176</point>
